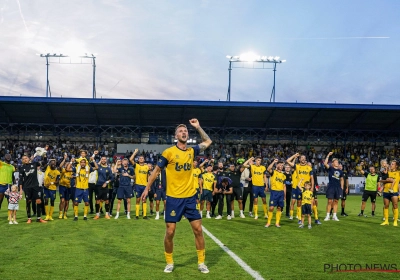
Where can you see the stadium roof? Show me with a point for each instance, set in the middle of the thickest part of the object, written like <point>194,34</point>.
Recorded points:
<point>121,112</point>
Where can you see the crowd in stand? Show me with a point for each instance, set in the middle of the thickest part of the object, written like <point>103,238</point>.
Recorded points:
<point>351,156</point>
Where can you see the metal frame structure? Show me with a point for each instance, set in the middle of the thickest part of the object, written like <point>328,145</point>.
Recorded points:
<point>59,56</point>
<point>246,58</point>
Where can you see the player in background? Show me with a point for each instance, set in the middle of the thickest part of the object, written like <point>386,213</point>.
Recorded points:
<point>335,187</point>
<point>64,188</point>
<point>260,183</point>
<point>315,197</point>
<point>278,192</point>
<point>125,189</point>
<point>208,182</point>
<point>391,192</point>
<point>181,196</point>
<point>159,192</point>
<point>104,177</point>
<point>345,190</point>
<point>6,176</point>
<point>288,184</point>
<point>370,190</point>
<point>141,178</point>
<point>237,190</point>
<point>51,182</point>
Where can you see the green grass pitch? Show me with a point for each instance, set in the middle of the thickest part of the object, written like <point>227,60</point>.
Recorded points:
<point>130,249</point>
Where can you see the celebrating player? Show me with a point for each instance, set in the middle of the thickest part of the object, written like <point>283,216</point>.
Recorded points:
<point>390,193</point>
<point>278,192</point>
<point>141,177</point>
<point>335,187</point>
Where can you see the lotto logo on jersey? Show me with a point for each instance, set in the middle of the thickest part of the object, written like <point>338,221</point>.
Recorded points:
<point>257,173</point>
<point>279,180</point>
<point>185,166</point>
<point>303,172</point>
<point>142,172</point>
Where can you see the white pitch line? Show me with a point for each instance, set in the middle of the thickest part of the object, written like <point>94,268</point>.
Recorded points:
<point>235,257</point>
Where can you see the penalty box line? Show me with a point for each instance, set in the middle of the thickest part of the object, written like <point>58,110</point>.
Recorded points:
<point>235,257</point>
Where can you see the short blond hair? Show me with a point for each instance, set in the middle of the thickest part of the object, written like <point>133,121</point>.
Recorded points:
<point>180,125</point>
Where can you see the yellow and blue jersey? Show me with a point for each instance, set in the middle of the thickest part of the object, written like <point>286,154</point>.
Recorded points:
<point>277,181</point>
<point>82,182</point>
<point>303,172</point>
<point>196,175</point>
<point>208,180</point>
<point>178,166</point>
<point>66,177</point>
<point>51,177</point>
<point>306,197</point>
<point>141,174</point>
<point>257,175</point>
<point>395,175</point>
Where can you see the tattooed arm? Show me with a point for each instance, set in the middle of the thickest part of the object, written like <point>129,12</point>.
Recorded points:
<point>204,137</point>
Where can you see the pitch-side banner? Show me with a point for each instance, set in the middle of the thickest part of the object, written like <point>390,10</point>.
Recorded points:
<point>356,184</point>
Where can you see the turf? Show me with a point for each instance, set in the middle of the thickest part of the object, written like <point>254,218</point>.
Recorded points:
<point>130,249</point>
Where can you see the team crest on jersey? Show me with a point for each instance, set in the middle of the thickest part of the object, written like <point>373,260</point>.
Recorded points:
<point>190,156</point>
<point>173,214</point>
<point>177,156</point>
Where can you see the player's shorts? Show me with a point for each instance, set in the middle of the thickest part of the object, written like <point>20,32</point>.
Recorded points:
<point>151,196</point>
<point>161,195</point>
<point>206,196</point>
<point>139,189</point>
<point>175,208</point>
<point>72,191</point>
<point>3,188</point>
<point>102,193</point>
<point>81,194</point>
<point>389,195</point>
<point>369,194</point>
<point>297,194</point>
<point>258,191</point>
<point>237,193</point>
<point>344,195</point>
<point>33,193</point>
<point>125,192</point>
<point>306,209</point>
<point>64,192</point>
<point>334,193</point>
<point>13,206</point>
<point>277,199</point>
<point>49,194</point>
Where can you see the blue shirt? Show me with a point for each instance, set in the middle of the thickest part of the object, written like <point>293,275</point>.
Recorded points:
<point>334,176</point>
<point>104,174</point>
<point>125,181</point>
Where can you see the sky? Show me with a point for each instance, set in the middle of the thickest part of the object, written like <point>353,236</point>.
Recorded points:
<point>343,51</point>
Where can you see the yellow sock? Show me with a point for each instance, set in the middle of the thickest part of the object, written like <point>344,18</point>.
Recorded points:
<point>85,210</point>
<point>198,206</point>
<point>137,210</point>
<point>201,256</point>
<point>315,212</point>
<point>144,206</point>
<point>298,212</point>
<point>168,258</point>
<point>278,217</point>
<point>265,209</point>
<point>255,210</point>
<point>270,214</point>
<point>291,213</point>
<point>76,209</point>
<point>386,215</point>
<point>47,209</point>
<point>51,211</point>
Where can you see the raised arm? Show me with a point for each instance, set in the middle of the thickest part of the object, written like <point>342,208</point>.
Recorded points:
<point>327,160</point>
<point>132,158</point>
<point>64,160</point>
<point>204,137</point>
<point>269,169</point>
<point>248,162</point>
<point>292,159</point>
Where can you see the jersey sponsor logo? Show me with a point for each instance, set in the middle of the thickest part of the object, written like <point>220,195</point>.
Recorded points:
<point>336,175</point>
<point>257,173</point>
<point>303,172</point>
<point>185,167</point>
<point>279,180</point>
<point>173,214</point>
<point>142,172</point>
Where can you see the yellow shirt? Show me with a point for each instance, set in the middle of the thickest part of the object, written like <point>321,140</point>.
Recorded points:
<point>196,174</point>
<point>82,182</point>
<point>51,178</point>
<point>277,181</point>
<point>396,177</point>
<point>306,197</point>
<point>6,173</point>
<point>141,174</point>
<point>257,175</point>
<point>208,181</point>
<point>179,171</point>
<point>66,177</point>
<point>303,172</point>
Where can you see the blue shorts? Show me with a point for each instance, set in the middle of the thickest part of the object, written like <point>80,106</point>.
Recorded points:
<point>277,199</point>
<point>81,194</point>
<point>3,188</point>
<point>124,192</point>
<point>207,196</point>
<point>306,209</point>
<point>390,195</point>
<point>139,189</point>
<point>258,191</point>
<point>72,191</point>
<point>297,193</point>
<point>175,208</point>
<point>161,194</point>
<point>64,192</point>
<point>49,194</point>
<point>334,193</point>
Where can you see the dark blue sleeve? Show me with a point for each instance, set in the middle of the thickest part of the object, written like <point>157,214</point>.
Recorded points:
<point>366,173</point>
<point>196,150</point>
<point>311,172</point>
<point>162,162</point>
